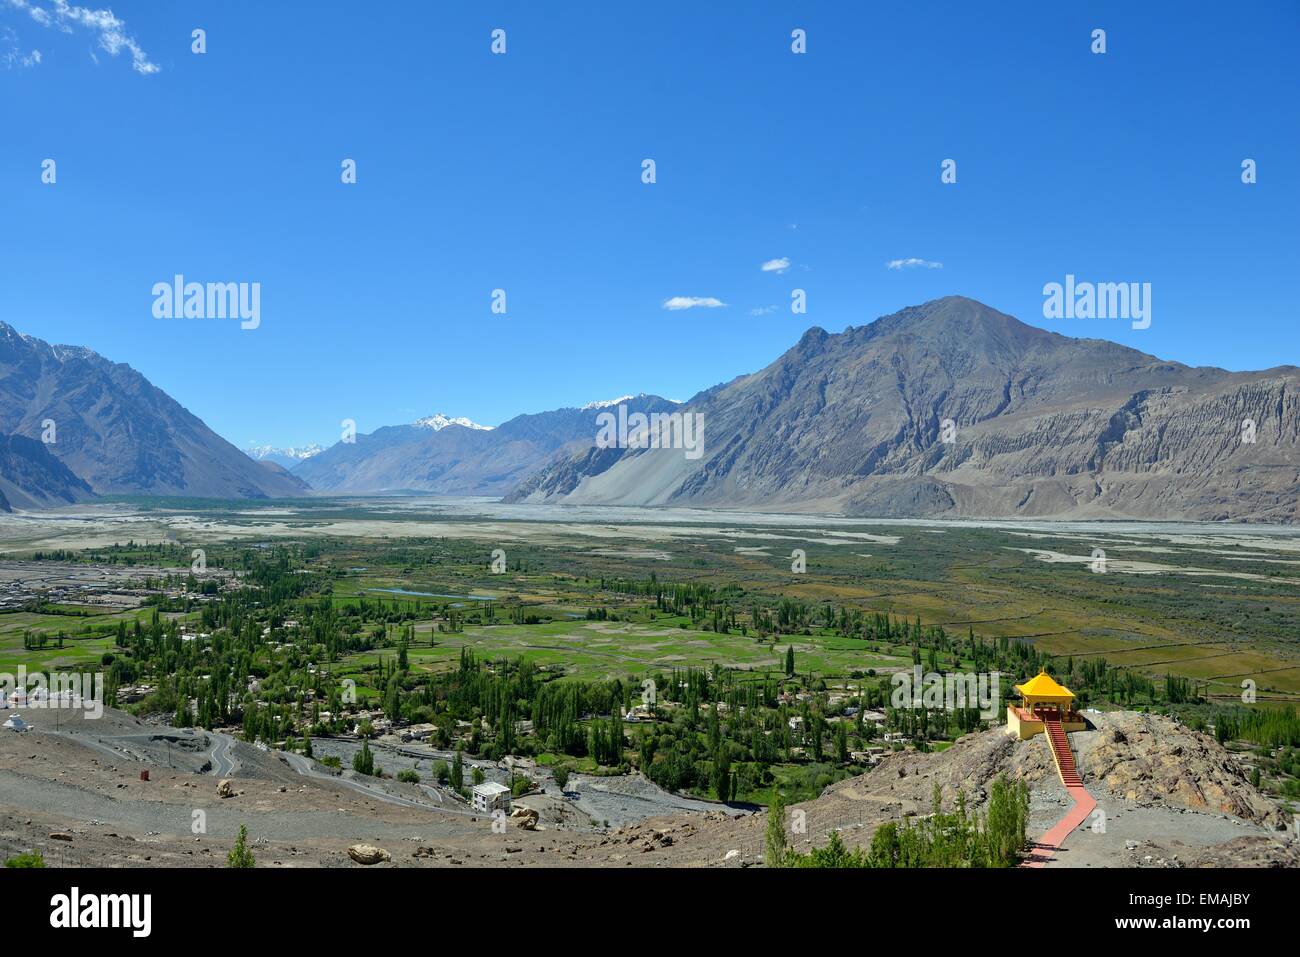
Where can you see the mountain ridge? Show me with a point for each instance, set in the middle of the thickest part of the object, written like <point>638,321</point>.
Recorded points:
<point>1038,425</point>
<point>116,431</point>
<point>454,460</point>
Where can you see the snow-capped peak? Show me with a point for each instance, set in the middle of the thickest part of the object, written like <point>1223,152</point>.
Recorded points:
<point>606,403</point>
<point>438,421</point>
<point>260,452</point>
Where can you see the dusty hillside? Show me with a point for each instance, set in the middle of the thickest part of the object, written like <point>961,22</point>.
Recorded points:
<point>1171,797</point>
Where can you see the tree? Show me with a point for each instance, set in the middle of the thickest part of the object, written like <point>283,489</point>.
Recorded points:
<point>722,776</point>
<point>458,771</point>
<point>789,661</point>
<point>561,775</point>
<point>1006,821</point>
<point>240,855</point>
<point>477,776</point>
<point>778,849</point>
<point>363,762</point>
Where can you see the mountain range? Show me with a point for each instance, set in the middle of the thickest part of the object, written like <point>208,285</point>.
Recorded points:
<point>946,409</point>
<point>953,409</point>
<point>447,456</point>
<point>286,458</point>
<point>104,428</point>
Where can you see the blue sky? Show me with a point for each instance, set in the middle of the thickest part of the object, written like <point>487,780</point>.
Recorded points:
<point>523,172</point>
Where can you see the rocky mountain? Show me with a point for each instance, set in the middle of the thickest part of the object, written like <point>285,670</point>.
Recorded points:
<point>30,477</point>
<point>455,459</point>
<point>953,409</point>
<point>113,430</point>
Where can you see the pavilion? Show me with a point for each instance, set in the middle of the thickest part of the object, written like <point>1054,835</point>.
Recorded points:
<point>1041,700</point>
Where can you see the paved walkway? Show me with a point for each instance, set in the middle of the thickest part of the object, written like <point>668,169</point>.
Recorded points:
<point>1046,846</point>
<point>1084,804</point>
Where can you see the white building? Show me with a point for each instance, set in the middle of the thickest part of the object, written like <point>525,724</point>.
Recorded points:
<point>13,699</point>
<point>490,796</point>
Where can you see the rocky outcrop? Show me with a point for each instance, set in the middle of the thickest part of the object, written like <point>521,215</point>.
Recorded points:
<point>1152,759</point>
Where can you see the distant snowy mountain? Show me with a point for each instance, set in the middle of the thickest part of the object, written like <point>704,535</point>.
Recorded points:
<point>472,460</point>
<point>438,422</point>
<point>286,458</point>
<point>607,403</point>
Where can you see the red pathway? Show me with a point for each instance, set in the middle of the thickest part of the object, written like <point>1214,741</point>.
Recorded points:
<point>1084,804</point>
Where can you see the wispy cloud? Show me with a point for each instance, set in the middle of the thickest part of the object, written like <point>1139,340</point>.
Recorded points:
<point>912,264</point>
<point>776,265</point>
<point>693,302</point>
<point>13,55</point>
<point>111,32</point>
<point>762,310</point>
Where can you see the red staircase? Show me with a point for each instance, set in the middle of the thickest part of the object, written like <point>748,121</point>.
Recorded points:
<point>1061,751</point>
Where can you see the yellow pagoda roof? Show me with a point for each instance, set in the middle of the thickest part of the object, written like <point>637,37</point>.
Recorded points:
<point>1043,686</point>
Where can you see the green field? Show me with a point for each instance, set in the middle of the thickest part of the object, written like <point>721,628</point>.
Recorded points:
<point>80,647</point>
<point>607,649</point>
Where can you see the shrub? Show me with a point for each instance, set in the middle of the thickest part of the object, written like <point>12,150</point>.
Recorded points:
<point>30,859</point>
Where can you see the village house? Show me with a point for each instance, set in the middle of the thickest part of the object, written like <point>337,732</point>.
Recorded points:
<point>491,796</point>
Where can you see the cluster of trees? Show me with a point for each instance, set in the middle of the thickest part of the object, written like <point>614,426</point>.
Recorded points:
<point>956,838</point>
<point>1269,727</point>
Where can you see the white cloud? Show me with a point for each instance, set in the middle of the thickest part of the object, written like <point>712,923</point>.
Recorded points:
<point>111,31</point>
<point>13,58</point>
<point>762,310</point>
<point>692,302</point>
<point>776,265</point>
<point>912,263</point>
<point>13,55</point>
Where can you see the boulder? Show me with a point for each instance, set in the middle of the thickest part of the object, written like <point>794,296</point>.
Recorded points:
<point>524,817</point>
<point>368,854</point>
